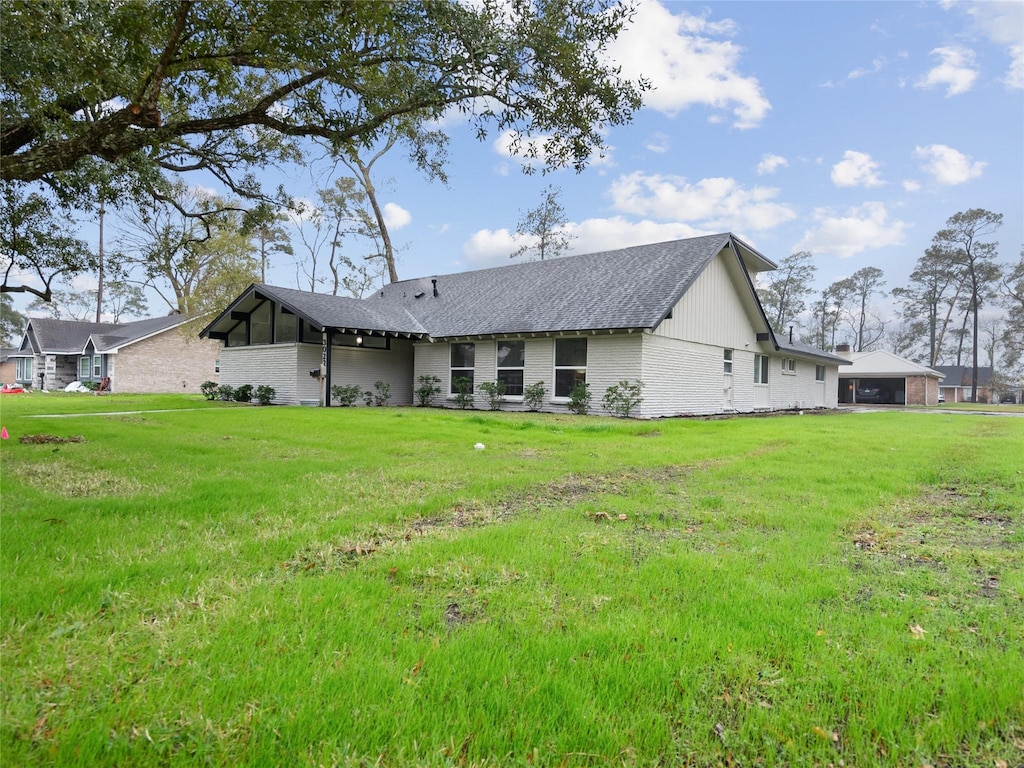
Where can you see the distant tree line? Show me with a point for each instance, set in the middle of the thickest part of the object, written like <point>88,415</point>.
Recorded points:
<point>959,306</point>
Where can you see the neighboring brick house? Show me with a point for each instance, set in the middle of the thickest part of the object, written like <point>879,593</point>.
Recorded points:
<point>956,387</point>
<point>8,368</point>
<point>682,317</point>
<point>146,356</point>
<point>882,378</point>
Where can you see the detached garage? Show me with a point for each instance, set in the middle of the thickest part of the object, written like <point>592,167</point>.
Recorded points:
<point>882,378</point>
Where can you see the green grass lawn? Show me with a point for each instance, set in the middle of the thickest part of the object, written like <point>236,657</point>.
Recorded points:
<point>233,585</point>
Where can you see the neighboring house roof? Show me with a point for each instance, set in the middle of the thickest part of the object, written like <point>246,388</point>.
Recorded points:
<point>7,352</point>
<point>882,364</point>
<point>805,350</point>
<point>630,288</point>
<point>961,375</point>
<point>48,336</point>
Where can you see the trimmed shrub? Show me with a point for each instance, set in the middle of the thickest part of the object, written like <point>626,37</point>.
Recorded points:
<point>494,391</point>
<point>345,395</point>
<point>209,389</point>
<point>463,392</point>
<point>225,393</point>
<point>429,386</point>
<point>243,394</point>
<point>623,398</point>
<point>383,393</point>
<point>533,395</point>
<point>264,394</point>
<point>579,398</point>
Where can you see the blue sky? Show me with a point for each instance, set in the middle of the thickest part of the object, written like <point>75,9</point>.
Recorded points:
<point>849,129</point>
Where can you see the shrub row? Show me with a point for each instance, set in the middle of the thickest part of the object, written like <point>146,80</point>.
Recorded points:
<point>246,393</point>
<point>346,395</point>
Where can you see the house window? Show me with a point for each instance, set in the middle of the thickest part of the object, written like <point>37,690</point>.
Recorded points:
<point>463,364</point>
<point>23,368</point>
<point>570,365</point>
<point>83,368</point>
<point>311,333</point>
<point>760,369</point>
<point>727,361</point>
<point>97,366</point>
<point>237,336</point>
<point>286,326</point>
<point>259,324</point>
<point>819,373</point>
<point>788,365</point>
<point>511,362</point>
<point>216,366</point>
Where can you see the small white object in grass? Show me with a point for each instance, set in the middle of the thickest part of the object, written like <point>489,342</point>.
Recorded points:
<point>479,446</point>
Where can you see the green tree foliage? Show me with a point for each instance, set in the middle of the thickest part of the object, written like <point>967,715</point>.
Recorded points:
<point>785,290</point>
<point>928,302</point>
<point>543,228</point>
<point>192,249</point>
<point>1013,300</point>
<point>342,212</point>
<point>866,327</point>
<point>170,86</point>
<point>12,322</point>
<point>961,240</point>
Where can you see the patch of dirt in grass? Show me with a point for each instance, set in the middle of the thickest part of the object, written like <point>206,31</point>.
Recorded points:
<point>938,520</point>
<point>74,482</point>
<point>49,439</point>
<point>566,492</point>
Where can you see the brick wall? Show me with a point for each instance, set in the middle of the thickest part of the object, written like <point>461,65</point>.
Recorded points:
<point>167,362</point>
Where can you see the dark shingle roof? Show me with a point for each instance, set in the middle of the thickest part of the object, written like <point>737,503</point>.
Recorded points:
<point>630,288</point>
<point>806,350</point>
<point>960,375</point>
<point>69,337</point>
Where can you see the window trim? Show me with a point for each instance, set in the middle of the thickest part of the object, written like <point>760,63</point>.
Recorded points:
<point>24,368</point>
<point>789,366</point>
<point>452,376</point>
<point>761,366</point>
<point>498,368</point>
<point>820,373</point>
<point>556,398</point>
<point>727,361</point>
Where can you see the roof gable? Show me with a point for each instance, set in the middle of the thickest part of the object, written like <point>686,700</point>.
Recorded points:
<point>49,336</point>
<point>882,363</point>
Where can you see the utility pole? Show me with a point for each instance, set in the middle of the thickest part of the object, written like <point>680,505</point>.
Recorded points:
<point>99,285</point>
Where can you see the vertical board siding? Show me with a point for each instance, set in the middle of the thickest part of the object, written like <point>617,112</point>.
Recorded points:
<point>711,311</point>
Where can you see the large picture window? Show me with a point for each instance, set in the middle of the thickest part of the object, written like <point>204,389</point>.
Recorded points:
<point>463,364</point>
<point>570,365</point>
<point>760,369</point>
<point>260,325</point>
<point>23,369</point>
<point>511,362</point>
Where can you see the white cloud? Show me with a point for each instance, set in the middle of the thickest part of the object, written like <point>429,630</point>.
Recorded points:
<point>686,65</point>
<point>302,212</point>
<point>716,203</point>
<point>909,185</point>
<point>659,143</point>
<point>948,166</point>
<point>861,228</point>
<point>395,216</point>
<point>856,169</point>
<point>1002,24</point>
<point>876,66</point>
<point>956,71</point>
<point>770,164</point>
<point>490,248</point>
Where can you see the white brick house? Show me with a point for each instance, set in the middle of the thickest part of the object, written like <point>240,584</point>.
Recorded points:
<point>682,317</point>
